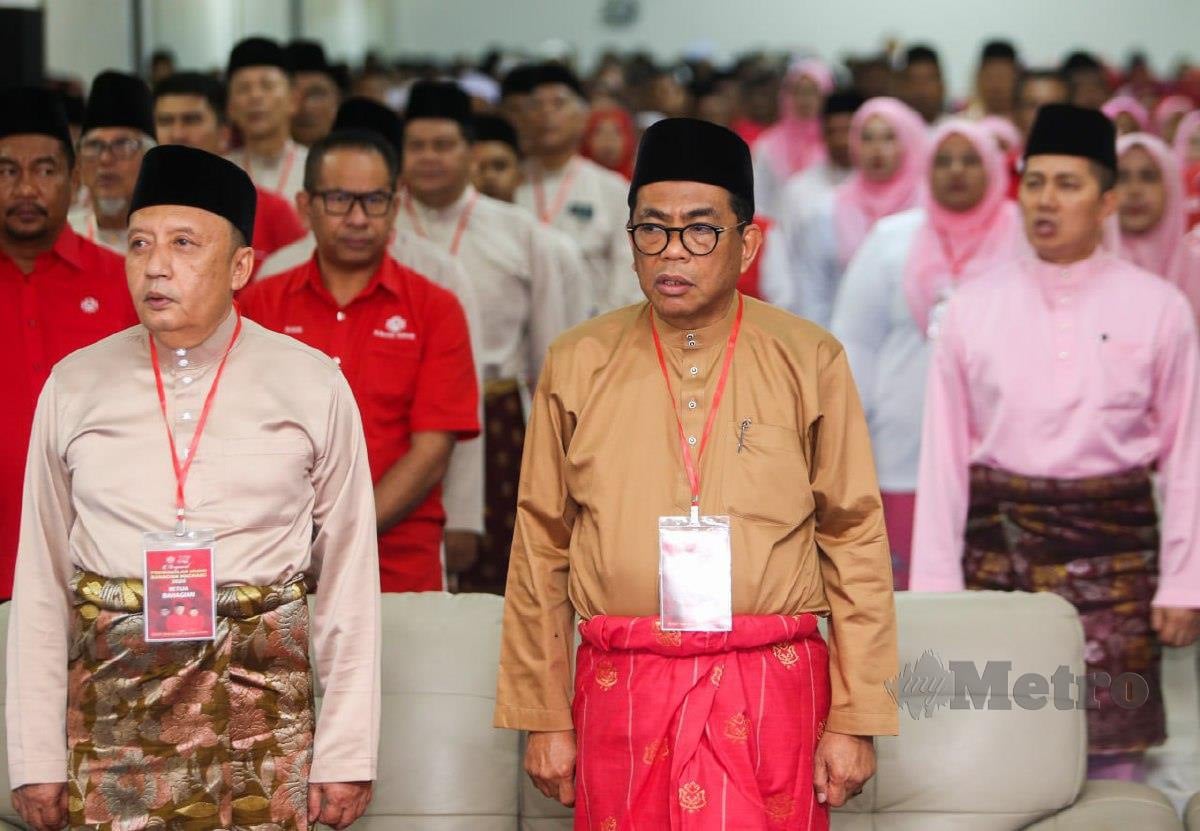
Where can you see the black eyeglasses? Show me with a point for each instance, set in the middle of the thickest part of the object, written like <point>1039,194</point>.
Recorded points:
<point>341,202</point>
<point>699,238</point>
<point>122,149</point>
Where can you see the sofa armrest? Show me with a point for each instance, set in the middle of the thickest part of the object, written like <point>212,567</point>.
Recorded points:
<point>1106,805</point>
<point>1191,814</point>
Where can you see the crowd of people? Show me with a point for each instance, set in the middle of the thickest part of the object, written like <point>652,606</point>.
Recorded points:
<point>1013,282</point>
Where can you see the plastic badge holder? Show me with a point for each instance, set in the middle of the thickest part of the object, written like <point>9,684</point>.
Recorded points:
<point>695,569</point>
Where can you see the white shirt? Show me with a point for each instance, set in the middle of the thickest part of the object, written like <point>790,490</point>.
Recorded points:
<point>590,204</point>
<point>462,488</point>
<point>83,221</point>
<point>533,288</point>
<point>283,174</point>
<point>888,353</point>
<point>805,278</point>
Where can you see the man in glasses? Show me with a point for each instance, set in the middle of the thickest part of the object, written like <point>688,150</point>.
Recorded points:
<point>118,129</point>
<point>401,341</point>
<point>531,293</point>
<point>58,292</point>
<point>698,486</point>
<point>462,494</point>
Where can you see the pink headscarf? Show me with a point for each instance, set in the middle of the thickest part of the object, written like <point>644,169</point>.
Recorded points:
<point>1003,130</point>
<point>1130,106</point>
<point>1169,107</point>
<point>1188,126</point>
<point>1157,250</point>
<point>953,245</point>
<point>859,202</point>
<point>793,143</point>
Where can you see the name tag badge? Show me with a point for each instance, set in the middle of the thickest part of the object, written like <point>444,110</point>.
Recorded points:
<point>695,569</point>
<point>180,586</point>
<point>583,211</point>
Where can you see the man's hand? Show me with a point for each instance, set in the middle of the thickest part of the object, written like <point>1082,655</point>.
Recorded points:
<point>462,550</point>
<point>337,804</point>
<point>1175,627</point>
<point>550,763</point>
<point>43,806</point>
<point>842,765</point>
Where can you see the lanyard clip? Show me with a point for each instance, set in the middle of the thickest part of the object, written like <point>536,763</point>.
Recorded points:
<point>695,513</point>
<point>180,525</point>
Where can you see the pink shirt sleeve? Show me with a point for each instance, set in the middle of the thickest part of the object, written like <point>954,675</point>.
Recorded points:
<point>942,483</point>
<point>1177,408</point>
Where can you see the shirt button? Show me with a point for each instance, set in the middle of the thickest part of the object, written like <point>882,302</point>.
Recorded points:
<point>341,316</point>
<point>181,352</point>
<point>186,415</point>
<point>692,441</point>
<point>692,404</point>
<point>187,379</point>
<point>1062,356</point>
<point>183,362</point>
<point>183,451</point>
<point>694,370</point>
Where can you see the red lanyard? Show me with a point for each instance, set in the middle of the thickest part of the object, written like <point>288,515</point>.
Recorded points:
<point>181,470</point>
<point>464,219</point>
<point>285,171</point>
<point>560,195</point>
<point>692,467</point>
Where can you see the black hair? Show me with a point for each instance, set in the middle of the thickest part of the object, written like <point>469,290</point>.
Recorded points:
<point>741,207</point>
<point>921,53</point>
<point>1081,61</point>
<point>367,140</point>
<point>998,50</point>
<point>845,101</point>
<point>194,83</point>
<point>1105,176</point>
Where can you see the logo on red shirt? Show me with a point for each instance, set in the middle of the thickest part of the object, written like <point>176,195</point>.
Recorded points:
<point>394,329</point>
<point>89,305</point>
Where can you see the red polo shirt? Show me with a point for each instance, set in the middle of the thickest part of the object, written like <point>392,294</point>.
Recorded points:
<point>405,351</point>
<point>75,295</point>
<point>275,225</point>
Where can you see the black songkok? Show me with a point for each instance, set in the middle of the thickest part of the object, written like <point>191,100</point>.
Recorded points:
<point>119,100</point>
<point>1067,130</point>
<point>308,56</point>
<point>518,80</point>
<point>439,99</point>
<point>173,174</point>
<point>552,72</point>
<point>256,52</point>
<point>35,110</point>
<point>495,128</point>
<point>367,114</point>
<point>690,150</point>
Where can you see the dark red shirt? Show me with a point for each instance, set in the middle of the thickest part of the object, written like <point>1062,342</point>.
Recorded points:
<point>404,348</point>
<point>275,225</point>
<point>75,296</point>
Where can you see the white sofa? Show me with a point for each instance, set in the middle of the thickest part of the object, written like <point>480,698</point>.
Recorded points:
<point>444,768</point>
